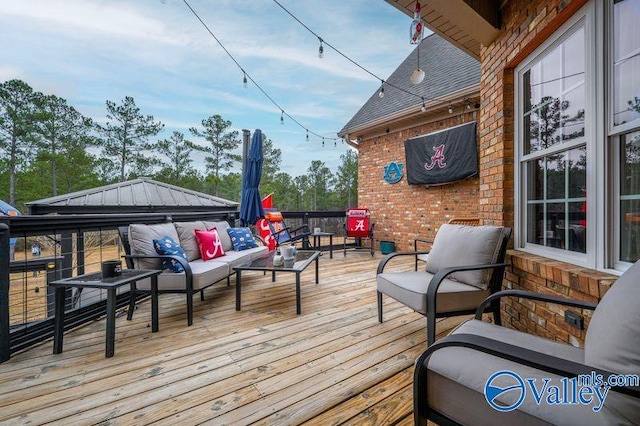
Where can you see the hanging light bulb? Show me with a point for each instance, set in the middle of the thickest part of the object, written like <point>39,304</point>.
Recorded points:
<point>335,143</point>
<point>381,92</point>
<point>320,49</point>
<point>281,116</point>
<point>244,80</point>
<point>323,141</point>
<point>450,109</point>
<point>424,107</point>
<point>307,134</point>
<point>468,104</point>
<point>417,75</point>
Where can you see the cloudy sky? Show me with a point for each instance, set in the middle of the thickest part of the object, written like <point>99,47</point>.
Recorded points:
<point>90,51</point>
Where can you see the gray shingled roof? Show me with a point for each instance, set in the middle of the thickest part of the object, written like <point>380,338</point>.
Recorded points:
<point>447,70</point>
<point>141,195</point>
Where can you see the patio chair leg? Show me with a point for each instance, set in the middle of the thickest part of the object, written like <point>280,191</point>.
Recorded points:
<point>189,308</point>
<point>379,307</point>
<point>229,280</point>
<point>202,295</point>
<point>431,328</point>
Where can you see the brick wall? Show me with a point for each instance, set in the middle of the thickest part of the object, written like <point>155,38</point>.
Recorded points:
<point>402,212</point>
<point>525,26</point>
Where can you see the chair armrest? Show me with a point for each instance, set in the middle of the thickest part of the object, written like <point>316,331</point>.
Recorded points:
<point>298,229</point>
<point>388,257</point>
<point>443,273</point>
<point>538,360</point>
<point>421,240</point>
<point>534,296</point>
<point>182,261</point>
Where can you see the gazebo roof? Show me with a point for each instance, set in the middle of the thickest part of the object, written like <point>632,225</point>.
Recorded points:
<point>142,195</point>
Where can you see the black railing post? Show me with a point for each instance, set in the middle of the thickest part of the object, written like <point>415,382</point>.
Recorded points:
<point>5,352</point>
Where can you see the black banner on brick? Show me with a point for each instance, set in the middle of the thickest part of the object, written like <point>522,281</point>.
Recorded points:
<point>442,157</point>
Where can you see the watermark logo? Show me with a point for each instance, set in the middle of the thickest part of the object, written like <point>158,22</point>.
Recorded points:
<point>504,383</point>
<point>506,390</point>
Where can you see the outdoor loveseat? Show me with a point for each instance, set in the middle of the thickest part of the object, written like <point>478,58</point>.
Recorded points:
<point>196,273</point>
<point>485,374</point>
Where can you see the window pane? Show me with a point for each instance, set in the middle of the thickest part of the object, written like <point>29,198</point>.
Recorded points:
<point>556,178</point>
<point>626,61</point>
<point>573,115</point>
<point>535,179</point>
<point>630,197</point>
<point>577,159</point>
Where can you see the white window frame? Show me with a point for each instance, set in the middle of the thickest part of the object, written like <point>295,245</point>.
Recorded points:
<point>585,17</point>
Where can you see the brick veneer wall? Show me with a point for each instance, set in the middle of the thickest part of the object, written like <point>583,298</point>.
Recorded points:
<point>402,212</point>
<point>525,26</point>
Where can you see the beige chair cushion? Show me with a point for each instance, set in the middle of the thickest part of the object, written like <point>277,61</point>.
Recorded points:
<point>141,241</point>
<point>457,377</point>
<point>462,245</point>
<point>410,288</point>
<point>188,242</point>
<point>222,227</point>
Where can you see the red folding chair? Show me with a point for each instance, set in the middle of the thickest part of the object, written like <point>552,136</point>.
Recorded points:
<point>358,227</point>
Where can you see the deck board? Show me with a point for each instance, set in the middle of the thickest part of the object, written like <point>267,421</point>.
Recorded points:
<point>334,364</point>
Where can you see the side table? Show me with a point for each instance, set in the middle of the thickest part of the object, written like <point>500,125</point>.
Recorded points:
<point>95,280</point>
<point>317,239</point>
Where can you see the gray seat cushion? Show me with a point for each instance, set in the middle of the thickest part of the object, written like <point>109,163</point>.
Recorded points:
<point>613,337</point>
<point>188,242</point>
<point>237,258</point>
<point>457,377</point>
<point>141,241</point>
<point>461,245</point>
<point>410,288</point>
<point>205,273</point>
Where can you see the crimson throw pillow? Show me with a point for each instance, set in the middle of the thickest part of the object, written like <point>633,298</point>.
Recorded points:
<point>209,244</point>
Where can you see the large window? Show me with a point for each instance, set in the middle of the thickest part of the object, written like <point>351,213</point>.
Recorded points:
<point>553,159</point>
<point>578,139</point>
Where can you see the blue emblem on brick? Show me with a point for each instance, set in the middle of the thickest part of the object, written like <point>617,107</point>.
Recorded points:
<point>393,172</point>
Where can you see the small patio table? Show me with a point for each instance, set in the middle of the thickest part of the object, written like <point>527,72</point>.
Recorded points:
<point>265,263</point>
<point>317,239</point>
<point>95,280</point>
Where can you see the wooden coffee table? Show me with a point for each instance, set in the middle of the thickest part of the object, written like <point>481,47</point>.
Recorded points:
<point>265,263</point>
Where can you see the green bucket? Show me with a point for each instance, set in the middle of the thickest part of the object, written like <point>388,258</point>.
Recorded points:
<point>387,247</point>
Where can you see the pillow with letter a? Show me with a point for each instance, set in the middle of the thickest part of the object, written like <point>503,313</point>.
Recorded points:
<point>209,244</point>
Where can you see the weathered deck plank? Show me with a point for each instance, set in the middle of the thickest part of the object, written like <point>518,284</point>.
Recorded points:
<point>334,364</point>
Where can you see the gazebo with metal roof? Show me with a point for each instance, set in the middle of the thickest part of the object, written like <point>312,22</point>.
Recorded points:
<point>142,195</point>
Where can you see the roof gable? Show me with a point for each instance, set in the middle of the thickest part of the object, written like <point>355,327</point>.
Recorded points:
<point>447,70</point>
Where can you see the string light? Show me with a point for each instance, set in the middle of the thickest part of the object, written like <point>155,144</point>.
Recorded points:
<point>320,49</point>
<point>307,134</point>
<point>381,92</point>
<point>424,107</point>
<point>244,80</point>
<point>248,76</point>
<point>335,143</point>
<point>450,109</point>
<point>468,103</point>
<point>323,141</point>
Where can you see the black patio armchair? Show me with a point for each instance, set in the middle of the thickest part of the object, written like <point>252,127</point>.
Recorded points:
<point>464,266</point>
<point>485,374</point>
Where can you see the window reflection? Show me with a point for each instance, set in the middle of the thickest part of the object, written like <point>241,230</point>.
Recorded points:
<point>630,197</point>
<point>626,61</point>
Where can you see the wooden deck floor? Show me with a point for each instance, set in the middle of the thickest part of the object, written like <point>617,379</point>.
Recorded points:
<point>334,364</point>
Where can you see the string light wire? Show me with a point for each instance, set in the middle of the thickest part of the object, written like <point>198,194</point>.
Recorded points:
<point>248,76</point>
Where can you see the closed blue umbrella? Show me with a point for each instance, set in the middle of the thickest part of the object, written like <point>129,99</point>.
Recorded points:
<point>251,204</point>
<point>9,210</point>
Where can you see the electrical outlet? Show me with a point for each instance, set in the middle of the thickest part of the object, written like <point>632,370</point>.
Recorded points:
<point>574,319</point>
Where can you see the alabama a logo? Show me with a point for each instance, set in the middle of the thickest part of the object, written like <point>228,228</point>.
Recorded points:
<point>437,159</point>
